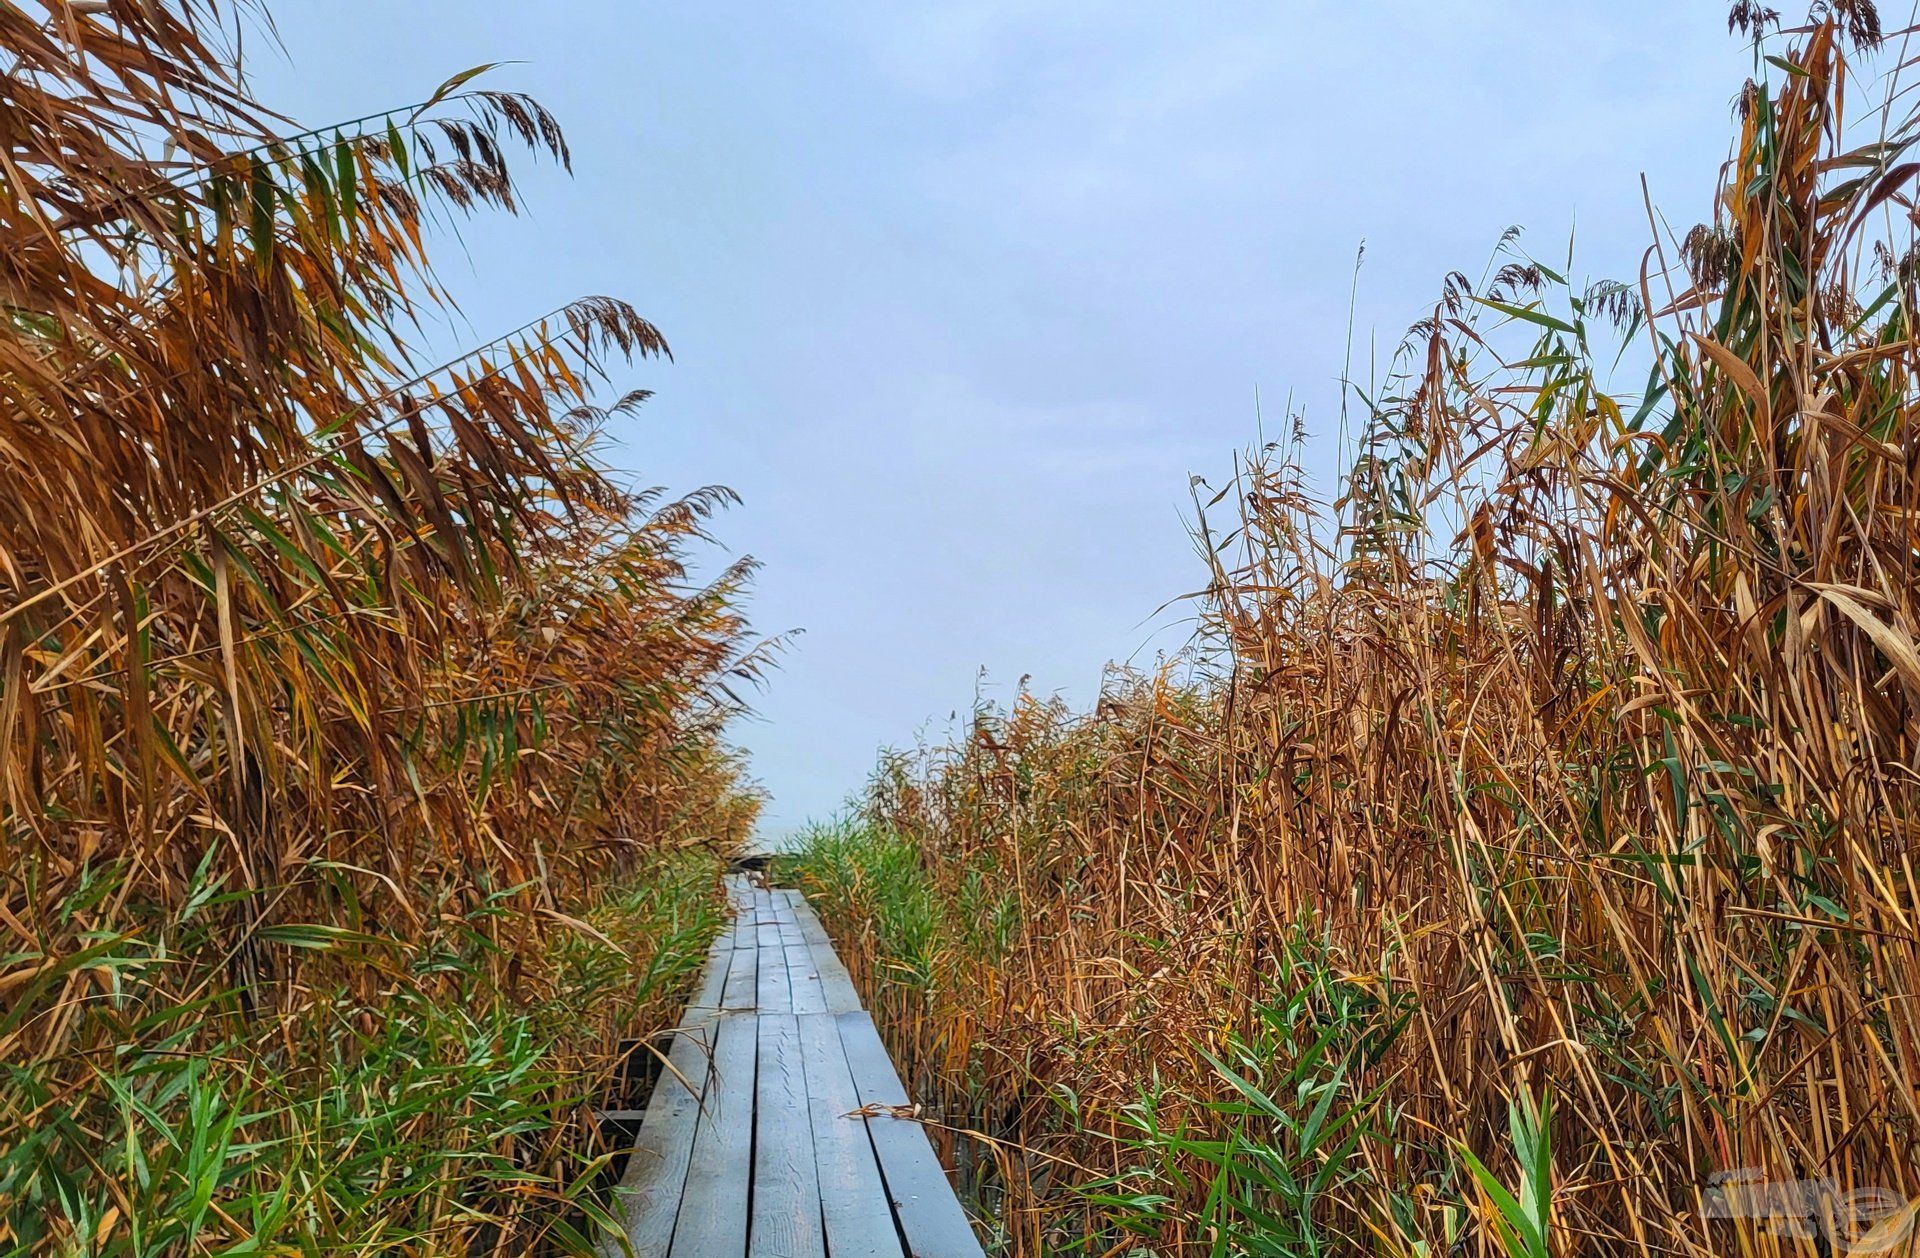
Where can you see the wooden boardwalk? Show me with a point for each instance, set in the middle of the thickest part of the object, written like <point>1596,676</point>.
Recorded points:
<point>770,1133</point>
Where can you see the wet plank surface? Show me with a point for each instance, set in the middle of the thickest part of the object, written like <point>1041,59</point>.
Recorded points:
<point>779,1128</point>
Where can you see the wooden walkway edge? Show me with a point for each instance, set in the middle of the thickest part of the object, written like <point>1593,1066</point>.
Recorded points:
<point>768,1134</point>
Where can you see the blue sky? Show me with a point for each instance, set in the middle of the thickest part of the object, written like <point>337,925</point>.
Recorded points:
<point>962,293</point>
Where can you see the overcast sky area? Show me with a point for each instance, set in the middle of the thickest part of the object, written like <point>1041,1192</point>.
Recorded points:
<point>962,293</point>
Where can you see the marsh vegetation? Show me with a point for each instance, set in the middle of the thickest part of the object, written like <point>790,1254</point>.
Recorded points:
<point>356,725</point>
<point>1525,841</point>
<point>1522,846</point>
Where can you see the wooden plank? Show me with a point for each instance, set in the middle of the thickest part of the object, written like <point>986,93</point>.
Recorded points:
<point>740,931</point>
<point>738,993</point>
<point>923,1199</point>
<point>713,1218</point>
<point>762,1157</point>
<point>803,980</point>
<point>647,1199</point>
<point>789,923</point>
<point>853,1201</point>
<point>774,993</point>
<point>714,976</point>
<point>740,900</point>
<point>786,1186</point>
<point>835,982</point>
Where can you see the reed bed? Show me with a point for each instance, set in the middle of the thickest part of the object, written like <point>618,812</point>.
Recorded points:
<point>361,737</point>
<point>1521,860</point>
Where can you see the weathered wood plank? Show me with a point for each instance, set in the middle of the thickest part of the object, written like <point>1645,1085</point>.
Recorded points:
<point>835,982</point>
<point>788,922</point>
<point>713,1220</point>
<point>740,899</point>
<point>714,976</point>
<point>786,1186</point>
<point>923,1200</point>
<point>739,990</point>
<point>647,1200</point>
<point>746,914</point>
<point>774,992</point>
<point>766,1156</point>
<point>853,1201</point>
<point>803,980</point>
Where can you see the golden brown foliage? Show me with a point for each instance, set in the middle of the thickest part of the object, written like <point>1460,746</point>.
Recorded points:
<point>1613,800</point>
<point>331,687</point>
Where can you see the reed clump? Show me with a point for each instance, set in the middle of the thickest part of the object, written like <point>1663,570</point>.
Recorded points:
<point>1521,860</point>
<point>361,748</point>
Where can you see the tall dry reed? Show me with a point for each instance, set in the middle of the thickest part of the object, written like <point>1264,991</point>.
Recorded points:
<point>1496,891</point>
<point>339,691</point>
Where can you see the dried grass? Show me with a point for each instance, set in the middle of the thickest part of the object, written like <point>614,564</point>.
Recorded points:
<point>338,693</point>
<point>1611,799</point>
